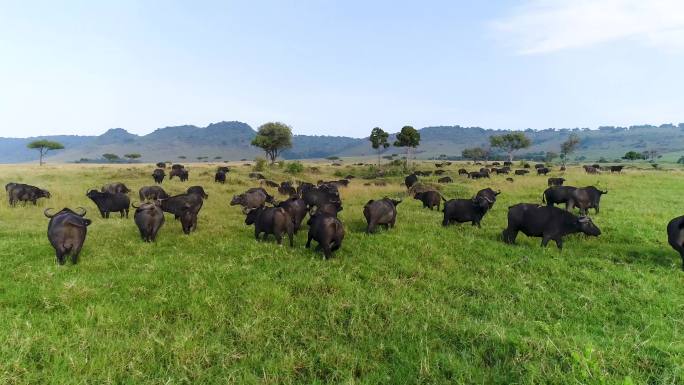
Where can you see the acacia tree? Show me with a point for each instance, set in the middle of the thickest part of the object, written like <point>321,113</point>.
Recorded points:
<point>132,156</point>
<point>474,153</point>
<point>110,157</point>
<point>273,138</point>
<point>568,147</point>
<point>409,138</point>
<point>43,146</point>
<point>510,143</point>
<point>378,139</point>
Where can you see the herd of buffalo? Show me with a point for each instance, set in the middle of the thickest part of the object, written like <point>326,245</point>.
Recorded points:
<point>67,228</point>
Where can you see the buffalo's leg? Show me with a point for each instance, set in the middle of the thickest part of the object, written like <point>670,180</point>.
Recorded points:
<point>545,240</point>
<point>559,242</point>
<point>308,241</point>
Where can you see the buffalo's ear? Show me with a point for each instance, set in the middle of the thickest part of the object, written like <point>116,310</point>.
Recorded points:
<point>87,222</point>
<point>497,192</point>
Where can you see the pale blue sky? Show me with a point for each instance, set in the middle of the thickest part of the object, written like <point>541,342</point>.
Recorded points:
<point>338,67</point>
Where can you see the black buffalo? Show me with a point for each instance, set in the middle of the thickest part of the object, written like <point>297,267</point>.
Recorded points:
<point>539,165</point>
<point>430,199</point>
<point>223,169</point>
<point>252,198</point>
<point>256,175</point>
<point>549,223</point>
<point>115,188</point>
<point>286,188</point>
<point>558,195</point>
<point>327,230</point>
<point>149,218</point>
<point>67,232</point>
<point>586,198</point>
<point>462,171</point>
<point>556,181</point>
<point>199,190</point>
<point>296,208</point>
<point>185,207</point>
<point>220,177</point>
<point>107,202</point>
<point>271,220</point>
<point>446,179</point>
<point>675,236</point>
<point>508,163</point>
<point>410,180</point>
<point>478,175</point>
<point>616,168</point>
<point>177,170</point>
<point>543,171</point>
<point>158,175</point>
<point>152,193</point>
<point>521,172</point>
<point>381,212</point>
<point>466,210</point>
<point>19,192</point>
<point>440,172</point>
<point>161,164</point>
<point>317,196</point>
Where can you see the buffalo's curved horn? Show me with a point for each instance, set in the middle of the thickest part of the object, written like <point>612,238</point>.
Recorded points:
<point>47,214</point>
<point>134,206</point>
<point>604,192</point>
<point>82,210</point>
<point>488,200</point>
<point>245,210</point>
<point>497,192</point>
<point>583,219</point>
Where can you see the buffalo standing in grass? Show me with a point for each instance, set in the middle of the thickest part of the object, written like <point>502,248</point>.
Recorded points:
<point>116,188</point>
<point>271,220</point>
<point>446,179</point>
<point>381,212</point>
<point>185,207</point>
<point>466,210</point>
<point>19,192</point>
<point>161,164</point>
<point>586,198</point>
<point>410,180</point>
<point>220,177</point>
<point>149,218</point>
<point>107,202</point>
<point>675,236</point>
<point>462,171</point>
<point>558,195</point>
<point>286,188</point>
<point>543,171</point>
<point>152,193</point>
<point>430,199</point>
<point>617,169</point>
<point>176,170</point>
<point>67,232</point>
<point>327,230</point>
<point>549,223</point>
<point>521,172</point>
<point>158,175</point>
<point>296,208</point>
<point>199,190</point>
<point>556,181</point>
<point>252,198</point>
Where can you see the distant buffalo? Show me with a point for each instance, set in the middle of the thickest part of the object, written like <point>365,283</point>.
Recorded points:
<point>67,232</point>
<point>543,171</point>
<point>616,168</point>
<point>152,193</point>
<point>220,177</point>
<point>19,192</point>
<point>161,164</point>
<point>549,223</point>
<point>591,170</point>
<point>521,172</point>
<point>556,181</point>
<point>462,171</point>
<point>158,175</point>
<point>446,179</point>
<point>115,188</point>
<point>381,212</point>
<point>411,180</point>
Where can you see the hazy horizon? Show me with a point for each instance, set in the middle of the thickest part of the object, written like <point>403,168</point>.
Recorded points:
<point>339,69</point>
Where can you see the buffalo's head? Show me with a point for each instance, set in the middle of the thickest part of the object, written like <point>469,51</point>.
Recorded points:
<point>587,226</point>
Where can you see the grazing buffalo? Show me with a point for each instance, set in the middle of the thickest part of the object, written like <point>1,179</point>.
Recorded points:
<point>271,220</point>
<point>557,195</point>
<point>616,168</point>
<point>382,212</point>
<point>158,175</point>
<point>316,196</point>
<point>256,175</point>
<point>591,170</point>
<point>462,171</point>
<point>521,172</point>
<point>270,183</point>
<point>556,181</point>
<point>327,230</point>
<point>478,175</point>
<point>252,198</point>
<point>496,163</point>
<point>184,175</point>
<point>19,192</point>
<point>675,236</point>
<point>543,171</point>
<point>177,170</point>
<point>508,163</point>
<point>161,164</point>
<point>441,172</point>
<point>526,165</point>
<point>286,188</point>
<point>438,165</point>
<point>509,179</point>
<point>539,165</point>
<point>223,169</point>
<point>220,177</point>
<point>152,193</point>
<point>549,223</point>
<point>67,232</point>
<point>430,199</point>
<point>502,170</point>
<point>149,218</point>
<point>562,168</point>
<point>410,180</point>
<point>296,208</point>
<point>466,210</point>
<point>185,207</point>
<point>349,176</point>
<point>116,188</point>
<point>107,202</point>
<point>446,179</point>
<point>199,190</point>
<point>586,198</point>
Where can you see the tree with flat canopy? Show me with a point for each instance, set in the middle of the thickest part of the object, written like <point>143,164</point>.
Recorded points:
<point>133,156</point>
<point>110,157</point>
<point>43,146</point>
<point>408,137</point>
<point>273,138</point>
<point>510,143</point>
<point>378,139</point>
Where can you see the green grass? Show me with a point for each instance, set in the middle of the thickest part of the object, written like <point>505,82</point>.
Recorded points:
<point>417,304</point>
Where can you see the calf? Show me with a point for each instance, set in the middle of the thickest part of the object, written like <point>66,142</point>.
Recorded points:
<point>327,230</point>
<point>549,223</point>
<point>107,202</point>
<point>430,199</point>
<point>149,218</point>
<point>381,212</point>
<point>185,207</point>
<point>271,220</point>
<point>617,169</point>
<point>675,236</point>
<point>67,232</point>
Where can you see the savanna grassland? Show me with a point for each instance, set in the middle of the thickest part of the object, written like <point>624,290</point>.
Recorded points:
<point>416,304</point>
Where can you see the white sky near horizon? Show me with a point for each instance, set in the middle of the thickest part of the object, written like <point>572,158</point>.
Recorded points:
<point>338,68</point>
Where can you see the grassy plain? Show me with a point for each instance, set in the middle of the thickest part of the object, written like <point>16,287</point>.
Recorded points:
<point>416,304</point>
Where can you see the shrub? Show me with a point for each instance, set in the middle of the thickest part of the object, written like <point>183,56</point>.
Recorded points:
<point>295,167</point>
<point>260,164</point>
